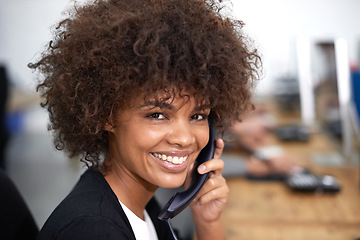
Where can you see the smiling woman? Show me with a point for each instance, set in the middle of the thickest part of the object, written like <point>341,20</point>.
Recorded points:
<point>135,81</point>
<point>162,140</point>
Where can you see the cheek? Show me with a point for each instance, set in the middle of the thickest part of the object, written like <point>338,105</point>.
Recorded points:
<point>143,138</point>
<point>202,137</point>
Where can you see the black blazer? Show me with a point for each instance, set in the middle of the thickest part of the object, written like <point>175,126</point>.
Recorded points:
<point>92,211</point>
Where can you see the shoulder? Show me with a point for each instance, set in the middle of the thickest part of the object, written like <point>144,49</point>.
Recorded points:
<point>94,227</point>
<point>91,208</point>
<point>89,227</point>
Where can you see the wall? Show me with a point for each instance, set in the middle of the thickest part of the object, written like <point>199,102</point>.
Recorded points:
<point>276,24</point>
<point>24,30</point>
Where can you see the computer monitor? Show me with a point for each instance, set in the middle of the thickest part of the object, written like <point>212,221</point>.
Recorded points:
<point>325,89</point>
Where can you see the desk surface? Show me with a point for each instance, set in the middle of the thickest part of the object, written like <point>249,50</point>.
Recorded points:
<point>270,210</point>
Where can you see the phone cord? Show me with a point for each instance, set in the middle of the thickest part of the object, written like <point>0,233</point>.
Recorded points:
<point>171,229</point>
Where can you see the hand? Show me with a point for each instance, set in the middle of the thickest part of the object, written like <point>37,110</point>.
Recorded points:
<point>210,202</point>
<point>250,133</point>
<point>283,164</point>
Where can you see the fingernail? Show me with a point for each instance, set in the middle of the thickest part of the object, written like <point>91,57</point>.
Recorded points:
<point>202,169</point>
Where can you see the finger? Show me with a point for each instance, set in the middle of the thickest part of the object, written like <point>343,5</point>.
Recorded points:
<point>219,147</point>
<point>211,184</point>
<point>221,191</point>
<point>216,194</point>
<point>211,165</point>
<point>215,165</point>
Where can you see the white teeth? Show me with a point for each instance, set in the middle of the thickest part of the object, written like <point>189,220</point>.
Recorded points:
<point>174,160</point>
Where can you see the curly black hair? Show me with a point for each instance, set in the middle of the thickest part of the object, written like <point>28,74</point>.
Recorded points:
<point>106,52</point>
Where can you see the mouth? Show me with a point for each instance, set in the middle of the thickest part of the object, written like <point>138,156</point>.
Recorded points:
<point>171,159</point>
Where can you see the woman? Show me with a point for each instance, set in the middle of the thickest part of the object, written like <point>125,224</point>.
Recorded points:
<point>129,86</point>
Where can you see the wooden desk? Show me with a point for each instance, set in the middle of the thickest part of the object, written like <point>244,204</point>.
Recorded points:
<point>270,210</point>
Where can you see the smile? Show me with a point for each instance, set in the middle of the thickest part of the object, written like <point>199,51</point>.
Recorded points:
<point>174,160</point>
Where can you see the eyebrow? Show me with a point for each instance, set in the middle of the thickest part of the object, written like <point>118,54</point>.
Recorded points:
<point>155,104</point>
<point>165,105</point>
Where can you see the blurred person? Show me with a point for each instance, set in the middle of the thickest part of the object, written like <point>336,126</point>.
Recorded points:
<point>251,135</point>
<point>16,220</point>
<point>129,86</point>
<point>4,135</point>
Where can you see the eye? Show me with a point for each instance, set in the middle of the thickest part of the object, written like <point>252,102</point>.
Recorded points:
<point>157,116</point>
<point>199,117</point>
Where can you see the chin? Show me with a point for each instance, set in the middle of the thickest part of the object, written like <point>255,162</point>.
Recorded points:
<point>173,182</point>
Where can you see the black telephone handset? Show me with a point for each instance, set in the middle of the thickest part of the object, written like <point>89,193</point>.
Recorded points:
<point>182,199</point>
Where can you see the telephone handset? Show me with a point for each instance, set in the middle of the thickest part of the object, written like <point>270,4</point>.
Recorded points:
<point>181,200</point>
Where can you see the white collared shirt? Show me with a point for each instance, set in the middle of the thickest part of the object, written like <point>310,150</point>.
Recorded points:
<point>143,229</point>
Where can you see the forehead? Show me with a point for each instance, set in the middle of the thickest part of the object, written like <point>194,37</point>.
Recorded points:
<point>175,98</point>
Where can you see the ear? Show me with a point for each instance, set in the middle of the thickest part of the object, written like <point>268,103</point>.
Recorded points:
<point>109,124</point>
<point>108,127</point>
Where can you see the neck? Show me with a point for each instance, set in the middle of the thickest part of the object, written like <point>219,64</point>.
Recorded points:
<point>129,190</point>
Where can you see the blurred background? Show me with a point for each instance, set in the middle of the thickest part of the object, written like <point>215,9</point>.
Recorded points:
<point>310,80</point>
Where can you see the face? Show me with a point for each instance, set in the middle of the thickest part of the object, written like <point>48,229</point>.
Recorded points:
<point>154,144</point>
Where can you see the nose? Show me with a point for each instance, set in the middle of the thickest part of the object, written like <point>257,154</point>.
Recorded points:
<point>181,134</point>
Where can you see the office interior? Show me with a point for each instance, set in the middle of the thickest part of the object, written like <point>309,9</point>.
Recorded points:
<point>310,80</point>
